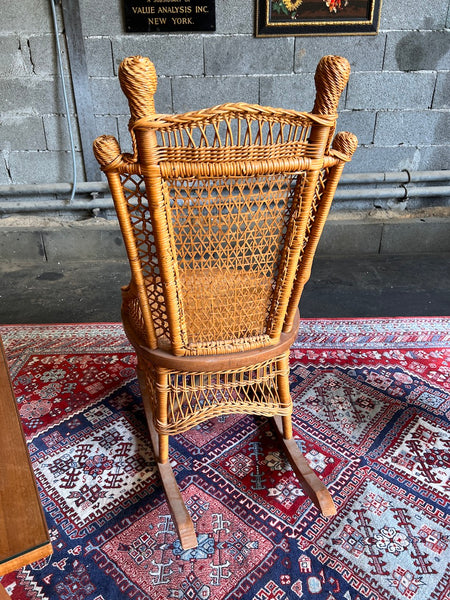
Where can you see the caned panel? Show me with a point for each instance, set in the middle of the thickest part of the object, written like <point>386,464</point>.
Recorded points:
<point>135,195</point>
<point>229,235</point>
<point>233,179</point>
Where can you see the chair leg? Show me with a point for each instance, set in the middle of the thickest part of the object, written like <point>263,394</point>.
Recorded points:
<point>180,515</point>
<point>285,394</point>
<point>311,484</point>
<point>313,487</point>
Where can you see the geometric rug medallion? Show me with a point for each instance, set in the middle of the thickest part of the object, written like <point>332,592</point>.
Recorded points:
<point>371,406</point>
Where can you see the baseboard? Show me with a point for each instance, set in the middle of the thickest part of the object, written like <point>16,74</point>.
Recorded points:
<point>99,239</point>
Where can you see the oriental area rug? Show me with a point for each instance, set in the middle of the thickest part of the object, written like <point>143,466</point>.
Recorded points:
<point>371,400</point>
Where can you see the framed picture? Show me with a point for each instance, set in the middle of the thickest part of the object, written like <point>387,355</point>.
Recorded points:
<point>317,17</point>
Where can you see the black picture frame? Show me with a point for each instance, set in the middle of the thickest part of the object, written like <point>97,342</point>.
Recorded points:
<point>317,17</point>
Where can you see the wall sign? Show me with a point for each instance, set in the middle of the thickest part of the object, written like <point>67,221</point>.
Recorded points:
<point>317,17</point>
<point>170,15</point>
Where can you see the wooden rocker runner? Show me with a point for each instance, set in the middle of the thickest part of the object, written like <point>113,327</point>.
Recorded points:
<point>221,211</point>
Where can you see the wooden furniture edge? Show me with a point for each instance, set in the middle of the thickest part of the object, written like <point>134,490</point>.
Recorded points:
<point>11,419</point>
<point>32,555</point>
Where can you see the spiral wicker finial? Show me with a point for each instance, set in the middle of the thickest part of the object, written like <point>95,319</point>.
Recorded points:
<point>106,149</point>
<point>138,81</point>
<point>331,77</point>
<point>346,143</point>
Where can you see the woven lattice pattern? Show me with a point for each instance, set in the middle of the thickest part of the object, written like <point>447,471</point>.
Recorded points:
<point>317,200</point>
<point>137,205</point>
<point>228,232</point>
<point>228,238</point>
<point>217,141</point>
<point>193,397</point>
<point>229,235</point>
<point>231,133</point>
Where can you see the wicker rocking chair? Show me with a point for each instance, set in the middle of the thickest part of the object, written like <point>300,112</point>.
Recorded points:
<point>221,211</point>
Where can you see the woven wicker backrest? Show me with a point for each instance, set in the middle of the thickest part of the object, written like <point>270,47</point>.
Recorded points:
<point>218,209</point>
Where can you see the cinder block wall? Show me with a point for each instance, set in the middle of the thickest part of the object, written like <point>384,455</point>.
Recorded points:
<point>397,102</point>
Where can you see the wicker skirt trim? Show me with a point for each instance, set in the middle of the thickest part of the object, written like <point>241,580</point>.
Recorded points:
<point>187,399</point>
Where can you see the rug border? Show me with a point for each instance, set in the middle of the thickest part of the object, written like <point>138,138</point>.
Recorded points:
<point>373,333</point>
<point>302,320</point>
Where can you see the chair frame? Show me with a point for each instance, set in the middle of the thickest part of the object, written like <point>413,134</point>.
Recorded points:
<point>169,360</point>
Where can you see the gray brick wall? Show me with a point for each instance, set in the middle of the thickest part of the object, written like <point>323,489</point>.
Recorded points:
<point>397,101</point>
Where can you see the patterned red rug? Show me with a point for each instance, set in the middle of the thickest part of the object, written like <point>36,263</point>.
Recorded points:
<point>371,397</point>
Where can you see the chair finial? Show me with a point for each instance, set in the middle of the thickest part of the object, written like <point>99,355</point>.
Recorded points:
<point>106,149</point>
<point>331,77</point>
<point>138,81</point>
<point>346,143</point>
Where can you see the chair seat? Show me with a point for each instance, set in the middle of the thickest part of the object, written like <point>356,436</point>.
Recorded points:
<point>224,310</point>
<point>163,357</point>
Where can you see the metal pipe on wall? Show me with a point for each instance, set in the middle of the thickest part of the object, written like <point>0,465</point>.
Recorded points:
<point>363,186</point>
<point>393,192</point>
<point>404,176</point>
<point>55,206</point>
<point>39,189</point>
<point>88,187</point>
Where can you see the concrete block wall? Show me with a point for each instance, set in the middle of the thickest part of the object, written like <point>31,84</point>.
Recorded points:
<point>101,240</point>
<point>397,101</point>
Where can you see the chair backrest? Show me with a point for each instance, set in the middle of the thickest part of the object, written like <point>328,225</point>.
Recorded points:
<point>221,210</point>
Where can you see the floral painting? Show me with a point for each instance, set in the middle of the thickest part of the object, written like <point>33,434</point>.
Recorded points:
<point>317,17</point>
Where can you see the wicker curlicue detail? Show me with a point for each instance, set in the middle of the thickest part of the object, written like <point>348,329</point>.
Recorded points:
<point>345,143</point>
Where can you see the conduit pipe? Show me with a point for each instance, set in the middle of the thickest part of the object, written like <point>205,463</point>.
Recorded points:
<point>40,189</point>
<point>88,187</point>
<point>358,190</point>
<point>404,176</point>
<point>55,206</point>
<point>393,192</point>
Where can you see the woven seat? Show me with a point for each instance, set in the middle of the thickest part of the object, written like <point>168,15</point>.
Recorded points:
<point>221,211</point>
